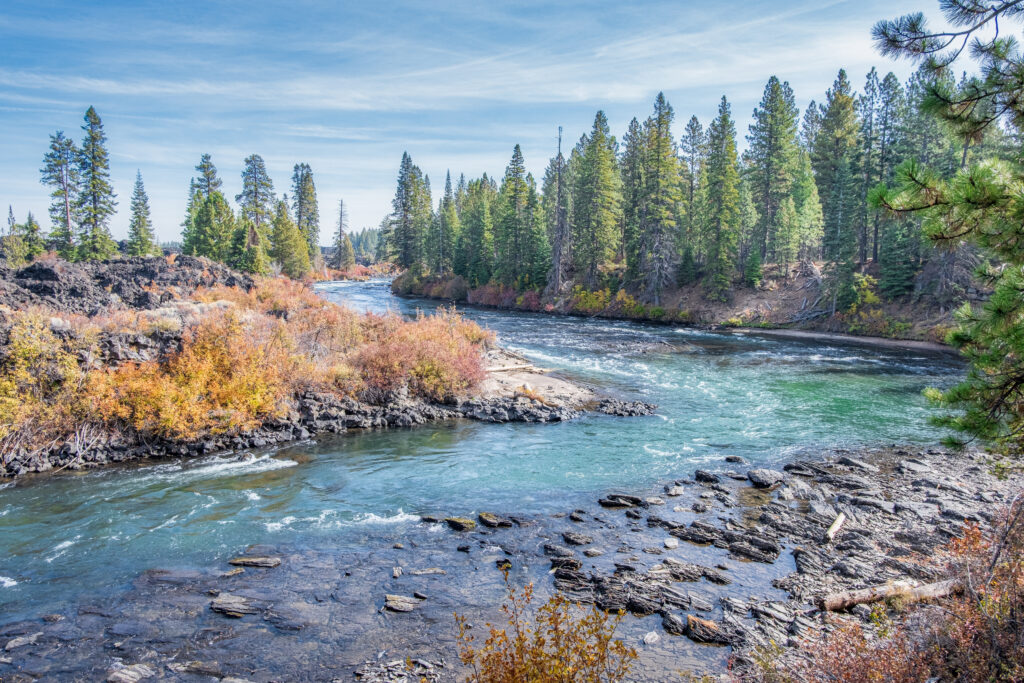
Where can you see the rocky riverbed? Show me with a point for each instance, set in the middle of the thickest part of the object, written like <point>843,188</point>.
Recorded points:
<point>709,566</point>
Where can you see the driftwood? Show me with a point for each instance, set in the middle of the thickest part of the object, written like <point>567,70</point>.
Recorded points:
<point>907,591</point>
<point>834,528</point>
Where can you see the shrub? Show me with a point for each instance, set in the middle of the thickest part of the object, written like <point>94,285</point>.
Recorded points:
<point>227,377</point>
<point>590,303</point>
<point>559,643</point>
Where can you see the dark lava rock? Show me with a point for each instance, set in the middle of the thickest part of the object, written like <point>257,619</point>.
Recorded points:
<point>611,406</point>
<point>577,539</point>
<point>705,477</point>
<point>621,500</point>
<point>706,631</point>
<point>765,478</point>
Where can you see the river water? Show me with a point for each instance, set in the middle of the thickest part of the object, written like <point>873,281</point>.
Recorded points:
<point>71,536</point>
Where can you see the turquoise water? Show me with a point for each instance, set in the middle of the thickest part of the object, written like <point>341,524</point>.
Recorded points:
<point>73,536</point>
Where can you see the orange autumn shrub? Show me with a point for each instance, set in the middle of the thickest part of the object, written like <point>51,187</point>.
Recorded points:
<point>558,643</point>
<point>436,357</point>
<point>245,356</point>
<point>229,376</point>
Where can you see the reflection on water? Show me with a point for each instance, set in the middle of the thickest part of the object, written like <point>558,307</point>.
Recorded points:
<point>719,394</point>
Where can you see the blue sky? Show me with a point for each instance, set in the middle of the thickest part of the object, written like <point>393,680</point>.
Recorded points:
<point>347,87</point>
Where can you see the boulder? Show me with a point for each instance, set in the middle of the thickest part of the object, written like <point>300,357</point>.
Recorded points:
<point>460,523</point>
<point>765,478</point>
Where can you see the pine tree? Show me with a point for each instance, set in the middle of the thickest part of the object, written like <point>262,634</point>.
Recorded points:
<point>840,240</point>
<point>208,182</point>
<point>556,214</point>
<point>95,201</point>
<point>60,173</point>
<point>141,241</point>
<point>787,241</point>
<point>867,158</point>
<point>687,273</point>
<point>772,156</point>
<point>723,204</point>
<point>256,201</point>
<point>31,235</point>
<point>810,126</point>
<point>898,264</point>
<point>247,251</point>
<point>511,230</point>
<point>448,229</point>
<point>188,226</point>
<point>288,246</point>
<point>810,222</point>
<point>307,211</point>
<point>834,147</point>
<point>633,197</point>
<point>980,203</point>
<point>752,271</point>
<point>890,115</point>
<point>344,255</point>
<point>478,236</point>
<point>693,150</point>
<point>662,195</point>
<point>408,223</point>
<point>212,230</point>
<point>596,203</point>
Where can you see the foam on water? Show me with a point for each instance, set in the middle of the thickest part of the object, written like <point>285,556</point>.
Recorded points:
<point>371,519</point>
<point>7,582</point>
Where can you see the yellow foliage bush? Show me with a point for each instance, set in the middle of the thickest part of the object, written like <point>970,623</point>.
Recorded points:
<point>560,643</point>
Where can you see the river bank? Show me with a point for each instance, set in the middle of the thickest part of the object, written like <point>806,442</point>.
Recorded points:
<point>791,304</point>
<point>739,549</point>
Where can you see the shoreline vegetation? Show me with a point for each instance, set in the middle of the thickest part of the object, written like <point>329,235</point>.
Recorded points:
<point>771,315</point>
<point>108,361</point>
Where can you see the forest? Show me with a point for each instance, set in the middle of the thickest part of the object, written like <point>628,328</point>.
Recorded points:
<point>656,211</point>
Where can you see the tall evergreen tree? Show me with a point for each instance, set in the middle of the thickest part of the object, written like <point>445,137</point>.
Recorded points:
<point>447,233</point>
<point>810,222</point>
<point>723,204</point>
<point>256,200</point>
<point>207,182</point>
<point>772,156</point>
<point>810,126</point>
<point>141,241</point>
<point>60,172</point>
<point>306,209</point>
<point>834,149</point>
<point>596,203</point>
<point>288,246</point>
<point>31,235</point>
<point>95,202</point>
<point>556,211</point>
<point>840,240</point>
<point>661,199</point>
<point>867,104</point>
<point>477,233</point>
<point>890,114</point>
<point>511,228</point>
<point>633,197</point>
<point>693,149</point>
<point>405,231</point>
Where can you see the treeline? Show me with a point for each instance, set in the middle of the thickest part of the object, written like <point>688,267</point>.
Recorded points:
<point>265,234</point>
<point>82,202</point>
<point>656,212</point>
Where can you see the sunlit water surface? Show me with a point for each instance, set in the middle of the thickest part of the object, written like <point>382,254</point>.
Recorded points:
<point>72,536</point>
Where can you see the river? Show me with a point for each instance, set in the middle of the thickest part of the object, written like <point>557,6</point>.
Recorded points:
<point>76,536</point>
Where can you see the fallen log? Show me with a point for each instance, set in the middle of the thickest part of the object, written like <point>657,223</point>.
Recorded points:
<point>834,528</point>
<point>908,591</point>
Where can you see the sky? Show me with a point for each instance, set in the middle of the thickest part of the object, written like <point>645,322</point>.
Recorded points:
<point>348,86</point>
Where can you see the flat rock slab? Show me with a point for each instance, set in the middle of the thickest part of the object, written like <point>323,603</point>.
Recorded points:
<point>234,606</point>
<point>765,478</point>
<point>130,674</point>
<point>577,539</point>
<point>256,561</point>
<point>427,572</point>
<point>400,603</point>
<point>22,641</point>
<point>494,521</point>
<point>460,523</point>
